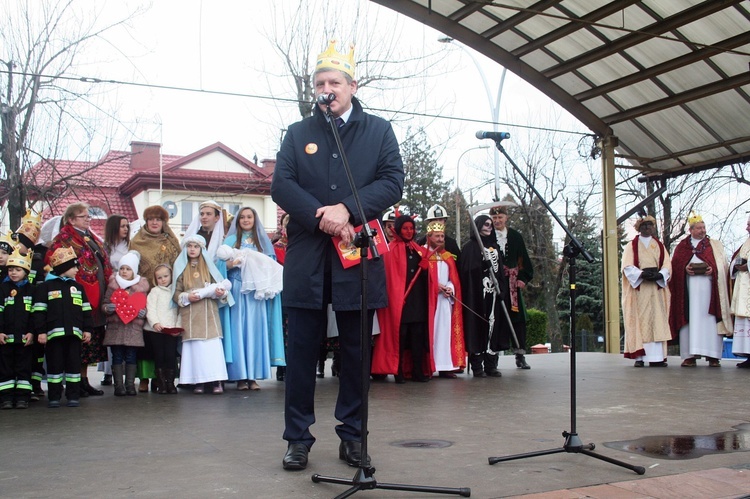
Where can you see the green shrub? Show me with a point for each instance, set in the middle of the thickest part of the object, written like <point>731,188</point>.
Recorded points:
<point>536,328</point>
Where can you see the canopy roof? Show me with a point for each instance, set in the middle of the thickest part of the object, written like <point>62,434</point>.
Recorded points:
<point>669,78</point>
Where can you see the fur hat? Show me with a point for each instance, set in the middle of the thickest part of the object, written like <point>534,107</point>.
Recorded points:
<point>156,211</point>
<point>62,260</point>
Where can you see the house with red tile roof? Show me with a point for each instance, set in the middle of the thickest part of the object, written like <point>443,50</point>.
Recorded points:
<point>126,182</point>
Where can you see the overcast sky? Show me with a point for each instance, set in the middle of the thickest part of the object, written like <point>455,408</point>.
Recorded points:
<point>222,46</point>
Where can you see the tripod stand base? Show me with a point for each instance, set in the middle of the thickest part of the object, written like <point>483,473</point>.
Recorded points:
<point>364,480</point>
<point>572,445</point>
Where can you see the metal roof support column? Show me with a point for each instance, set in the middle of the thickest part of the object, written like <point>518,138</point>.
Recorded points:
<point>610,250</point>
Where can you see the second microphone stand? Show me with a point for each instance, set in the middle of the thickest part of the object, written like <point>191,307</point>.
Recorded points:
<point>364,478</point>
<point>573,443</point>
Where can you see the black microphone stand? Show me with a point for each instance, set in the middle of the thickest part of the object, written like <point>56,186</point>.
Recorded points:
<point>364,478</point>
<point>573,443</point>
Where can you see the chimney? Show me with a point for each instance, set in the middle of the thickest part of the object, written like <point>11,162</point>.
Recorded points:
<point>268,164</point>
<point>145,155</point>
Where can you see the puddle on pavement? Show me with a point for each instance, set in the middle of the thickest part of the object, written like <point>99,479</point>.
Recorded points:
<point>688,446</point>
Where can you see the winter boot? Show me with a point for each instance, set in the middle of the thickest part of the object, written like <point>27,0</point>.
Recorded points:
<point>168,376</point>
<point>160,386</point>
<point>521,362</point>
<point>130,370</point>
<point>476,361</point>
<point>490,365</point>
<point>117,373</point>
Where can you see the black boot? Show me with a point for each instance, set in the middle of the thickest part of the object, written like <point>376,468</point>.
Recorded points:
<point>521,362</point>
<point>159,380</point>
<point>106,380</point>
<point>490,365</point>
<point>336,364</point>
<point>476,361</point>
<point>130,379</point>
<point>117,374</point>
<point>90,390</point>
<point>280,373</point>
<point>169,387</point>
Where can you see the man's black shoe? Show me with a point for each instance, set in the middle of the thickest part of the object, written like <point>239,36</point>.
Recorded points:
<point>295,457</point>
<point>493,373</point>
<point>351,452</point>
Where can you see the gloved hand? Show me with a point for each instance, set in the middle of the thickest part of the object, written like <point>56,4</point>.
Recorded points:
<point>142,313</point>
<point>650,274</point>
<point>424,264</point>
<point>109,308</point>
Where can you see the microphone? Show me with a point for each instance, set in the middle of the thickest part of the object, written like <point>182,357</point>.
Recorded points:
<point>490,135</point>
<point>326,99</point>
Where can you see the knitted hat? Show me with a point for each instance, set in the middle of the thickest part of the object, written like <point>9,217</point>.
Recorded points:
<point>16,259</point>
<point>156,211</point>
<point>62,260</point>
<point>132,259</point>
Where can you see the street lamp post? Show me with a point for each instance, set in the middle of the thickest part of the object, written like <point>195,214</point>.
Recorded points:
<point>458,187</point>
<point>494,104</point>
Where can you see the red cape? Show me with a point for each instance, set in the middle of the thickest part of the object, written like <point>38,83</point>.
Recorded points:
<point>385,354</point>
<point>678,312</point>
<point>458,351</point>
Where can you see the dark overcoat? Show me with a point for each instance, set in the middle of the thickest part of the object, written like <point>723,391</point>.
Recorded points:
<point>309,174</point>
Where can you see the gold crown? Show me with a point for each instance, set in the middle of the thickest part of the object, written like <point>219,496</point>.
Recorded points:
<point>333,59</point>
<point>435,227</point>
<point>694,218</point>
<point>16,259</point>
<point>7,242</point>
<point>62,255</point>
<point>31,227</point>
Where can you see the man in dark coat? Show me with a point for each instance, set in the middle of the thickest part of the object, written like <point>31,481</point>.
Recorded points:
<point>310,184</point>
<point>518,272</point>
<point>483,315</point>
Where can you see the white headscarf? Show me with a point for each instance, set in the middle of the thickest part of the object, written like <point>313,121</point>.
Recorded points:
<point>182,262</point>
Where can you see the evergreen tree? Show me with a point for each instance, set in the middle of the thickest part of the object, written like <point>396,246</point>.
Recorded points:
<point>423,186</point>
<point>589,278</point>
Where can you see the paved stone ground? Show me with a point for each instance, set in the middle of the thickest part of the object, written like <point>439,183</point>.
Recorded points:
<point>230,445</point>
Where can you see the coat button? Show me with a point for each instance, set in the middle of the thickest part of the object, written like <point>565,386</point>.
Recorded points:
<point>335,155</point>
<point>334,187</point>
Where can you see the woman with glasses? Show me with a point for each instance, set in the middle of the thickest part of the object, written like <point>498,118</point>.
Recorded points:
<point>94,270</point>
<point>480,260</point>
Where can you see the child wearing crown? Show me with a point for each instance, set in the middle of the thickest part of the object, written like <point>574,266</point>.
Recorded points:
<point>125,337</point>
<point>6,248</point>
<point>16,337</point>
<point>62,320</point>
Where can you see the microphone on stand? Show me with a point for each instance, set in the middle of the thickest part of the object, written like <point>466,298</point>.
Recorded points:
<point>326,99</point>
<point>490,135</point>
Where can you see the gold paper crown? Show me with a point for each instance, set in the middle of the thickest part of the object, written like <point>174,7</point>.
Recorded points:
<point>62,255</point>
<point>7,242</point>
<point>16,259</point>
<point>694,218</point>
<point>333,59</point>
<point>435,227</point>
<point>31,227</point>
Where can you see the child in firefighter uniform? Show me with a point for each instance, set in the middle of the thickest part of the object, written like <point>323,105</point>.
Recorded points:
<point>16,335</point>
<point>62,319</point>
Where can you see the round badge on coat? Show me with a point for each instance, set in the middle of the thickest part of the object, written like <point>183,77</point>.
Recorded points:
<point>13,292</point>
<point>73,289</point>
<point>311,148</point>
